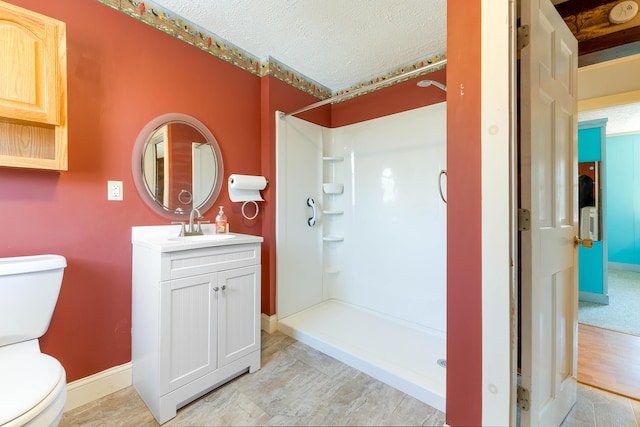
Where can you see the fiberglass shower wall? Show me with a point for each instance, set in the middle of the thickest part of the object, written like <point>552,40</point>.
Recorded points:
<point>380,241</point>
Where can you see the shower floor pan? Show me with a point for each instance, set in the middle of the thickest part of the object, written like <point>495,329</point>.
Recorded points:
<point>397,353</point>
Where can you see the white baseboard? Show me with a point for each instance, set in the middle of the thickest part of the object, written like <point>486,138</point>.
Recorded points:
<point>269,323</point>
<point>98,385</point>
<point>622,266</point>
<point>593,297</point>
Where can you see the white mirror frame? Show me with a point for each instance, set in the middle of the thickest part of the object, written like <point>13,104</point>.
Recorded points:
<point>137,159</point>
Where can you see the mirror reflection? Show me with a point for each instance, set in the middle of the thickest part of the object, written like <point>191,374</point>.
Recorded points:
<point>589,200</point>
<point>177,166</point>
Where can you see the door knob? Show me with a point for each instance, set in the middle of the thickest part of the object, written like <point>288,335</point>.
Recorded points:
<point>587,243</point>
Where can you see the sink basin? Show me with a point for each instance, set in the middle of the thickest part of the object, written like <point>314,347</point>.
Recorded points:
<point>202,238</point>
<point>165,238</point>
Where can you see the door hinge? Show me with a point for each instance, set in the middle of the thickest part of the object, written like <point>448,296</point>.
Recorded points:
<point>523,36</point>
<point>524,219</point>
<point>523,398</point>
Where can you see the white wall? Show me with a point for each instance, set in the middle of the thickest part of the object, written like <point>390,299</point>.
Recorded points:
<point>394,226</point>
<point>609,83</point>
<point>393,256</point>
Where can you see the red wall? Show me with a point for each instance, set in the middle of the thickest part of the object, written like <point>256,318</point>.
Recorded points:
<point>121,74</point>
<point>394,99</point>
<point>464,249</point>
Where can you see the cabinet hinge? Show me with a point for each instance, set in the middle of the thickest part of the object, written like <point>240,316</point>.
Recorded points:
<point>524,219</point>
<point>523,36</point>
<point>523,398</point>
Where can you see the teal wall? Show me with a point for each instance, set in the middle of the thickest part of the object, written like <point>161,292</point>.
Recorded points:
<point>591,274</point>
<point>623,203</point>
<point>589,144</point>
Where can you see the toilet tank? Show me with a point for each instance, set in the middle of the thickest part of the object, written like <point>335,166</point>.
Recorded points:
<point>29,288</point>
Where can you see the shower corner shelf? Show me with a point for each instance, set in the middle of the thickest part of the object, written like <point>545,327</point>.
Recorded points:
<point>332,188</point>
<point>333,158</point>
<point>331,238</point>
<point>332,270</point>
<point>332,212</point>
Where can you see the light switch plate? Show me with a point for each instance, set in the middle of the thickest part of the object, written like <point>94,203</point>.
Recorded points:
<point>114,190</point>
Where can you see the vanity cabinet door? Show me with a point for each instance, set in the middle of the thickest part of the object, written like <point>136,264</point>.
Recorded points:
<point>188,329</point>
<point>239,314</point>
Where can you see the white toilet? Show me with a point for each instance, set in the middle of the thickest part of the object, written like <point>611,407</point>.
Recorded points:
<point>33,386</point>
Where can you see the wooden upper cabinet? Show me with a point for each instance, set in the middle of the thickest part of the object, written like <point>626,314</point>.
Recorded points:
<point>33,90</point>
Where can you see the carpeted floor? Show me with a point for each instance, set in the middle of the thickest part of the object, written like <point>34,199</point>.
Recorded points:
<point>623,312</point>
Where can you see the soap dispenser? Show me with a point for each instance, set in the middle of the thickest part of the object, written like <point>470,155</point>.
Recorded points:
<point>221,222</point>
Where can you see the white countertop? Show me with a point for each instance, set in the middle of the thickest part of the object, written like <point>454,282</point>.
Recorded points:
<point>165,238</point>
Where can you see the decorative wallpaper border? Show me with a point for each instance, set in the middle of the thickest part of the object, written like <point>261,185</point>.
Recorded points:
<point>288,75</point>
<point>176,26</point>
<point>401,69</point>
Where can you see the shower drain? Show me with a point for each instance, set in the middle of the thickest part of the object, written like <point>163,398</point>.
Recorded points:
<point>442,363</point>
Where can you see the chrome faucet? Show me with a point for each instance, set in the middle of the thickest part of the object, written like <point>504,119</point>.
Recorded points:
<point>194,229</point>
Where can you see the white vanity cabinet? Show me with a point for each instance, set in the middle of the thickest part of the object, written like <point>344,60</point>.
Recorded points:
<point>195,319</point>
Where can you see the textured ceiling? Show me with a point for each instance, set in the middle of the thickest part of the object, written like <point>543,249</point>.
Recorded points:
<point>336,43</point>
<point>621,119</point>
<point>339,43</point>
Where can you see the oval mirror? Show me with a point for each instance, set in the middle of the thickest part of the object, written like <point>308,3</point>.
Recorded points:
<point>177,166</point>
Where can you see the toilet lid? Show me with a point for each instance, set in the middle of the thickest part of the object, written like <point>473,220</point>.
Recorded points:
<point>26,379</point>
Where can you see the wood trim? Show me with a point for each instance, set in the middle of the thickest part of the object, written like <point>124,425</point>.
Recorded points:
<point>599,40</point>
<point>608,41</point>
<point>575,7</point>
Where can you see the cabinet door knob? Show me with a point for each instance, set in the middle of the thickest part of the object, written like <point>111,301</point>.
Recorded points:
<point>224,287</point>
<point>216,289</point>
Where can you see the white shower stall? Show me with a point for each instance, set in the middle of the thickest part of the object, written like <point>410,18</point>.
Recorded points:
<point>366,283</point>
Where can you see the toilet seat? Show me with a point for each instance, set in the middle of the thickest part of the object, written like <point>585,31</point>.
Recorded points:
<point>33,388</point>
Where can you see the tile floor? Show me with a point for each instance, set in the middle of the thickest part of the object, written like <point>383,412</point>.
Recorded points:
<point>298,385</point>
<point>597,408</point>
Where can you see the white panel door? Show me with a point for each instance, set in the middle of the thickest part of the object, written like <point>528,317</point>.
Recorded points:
<point>238,313</point>
<point>203,171</point>
<point>188,328</point>
<point>548,191</point>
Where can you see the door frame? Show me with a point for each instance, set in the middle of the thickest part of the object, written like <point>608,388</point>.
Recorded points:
<point>498,174</point>
<point>602,298</point>
<point>498,114</point>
